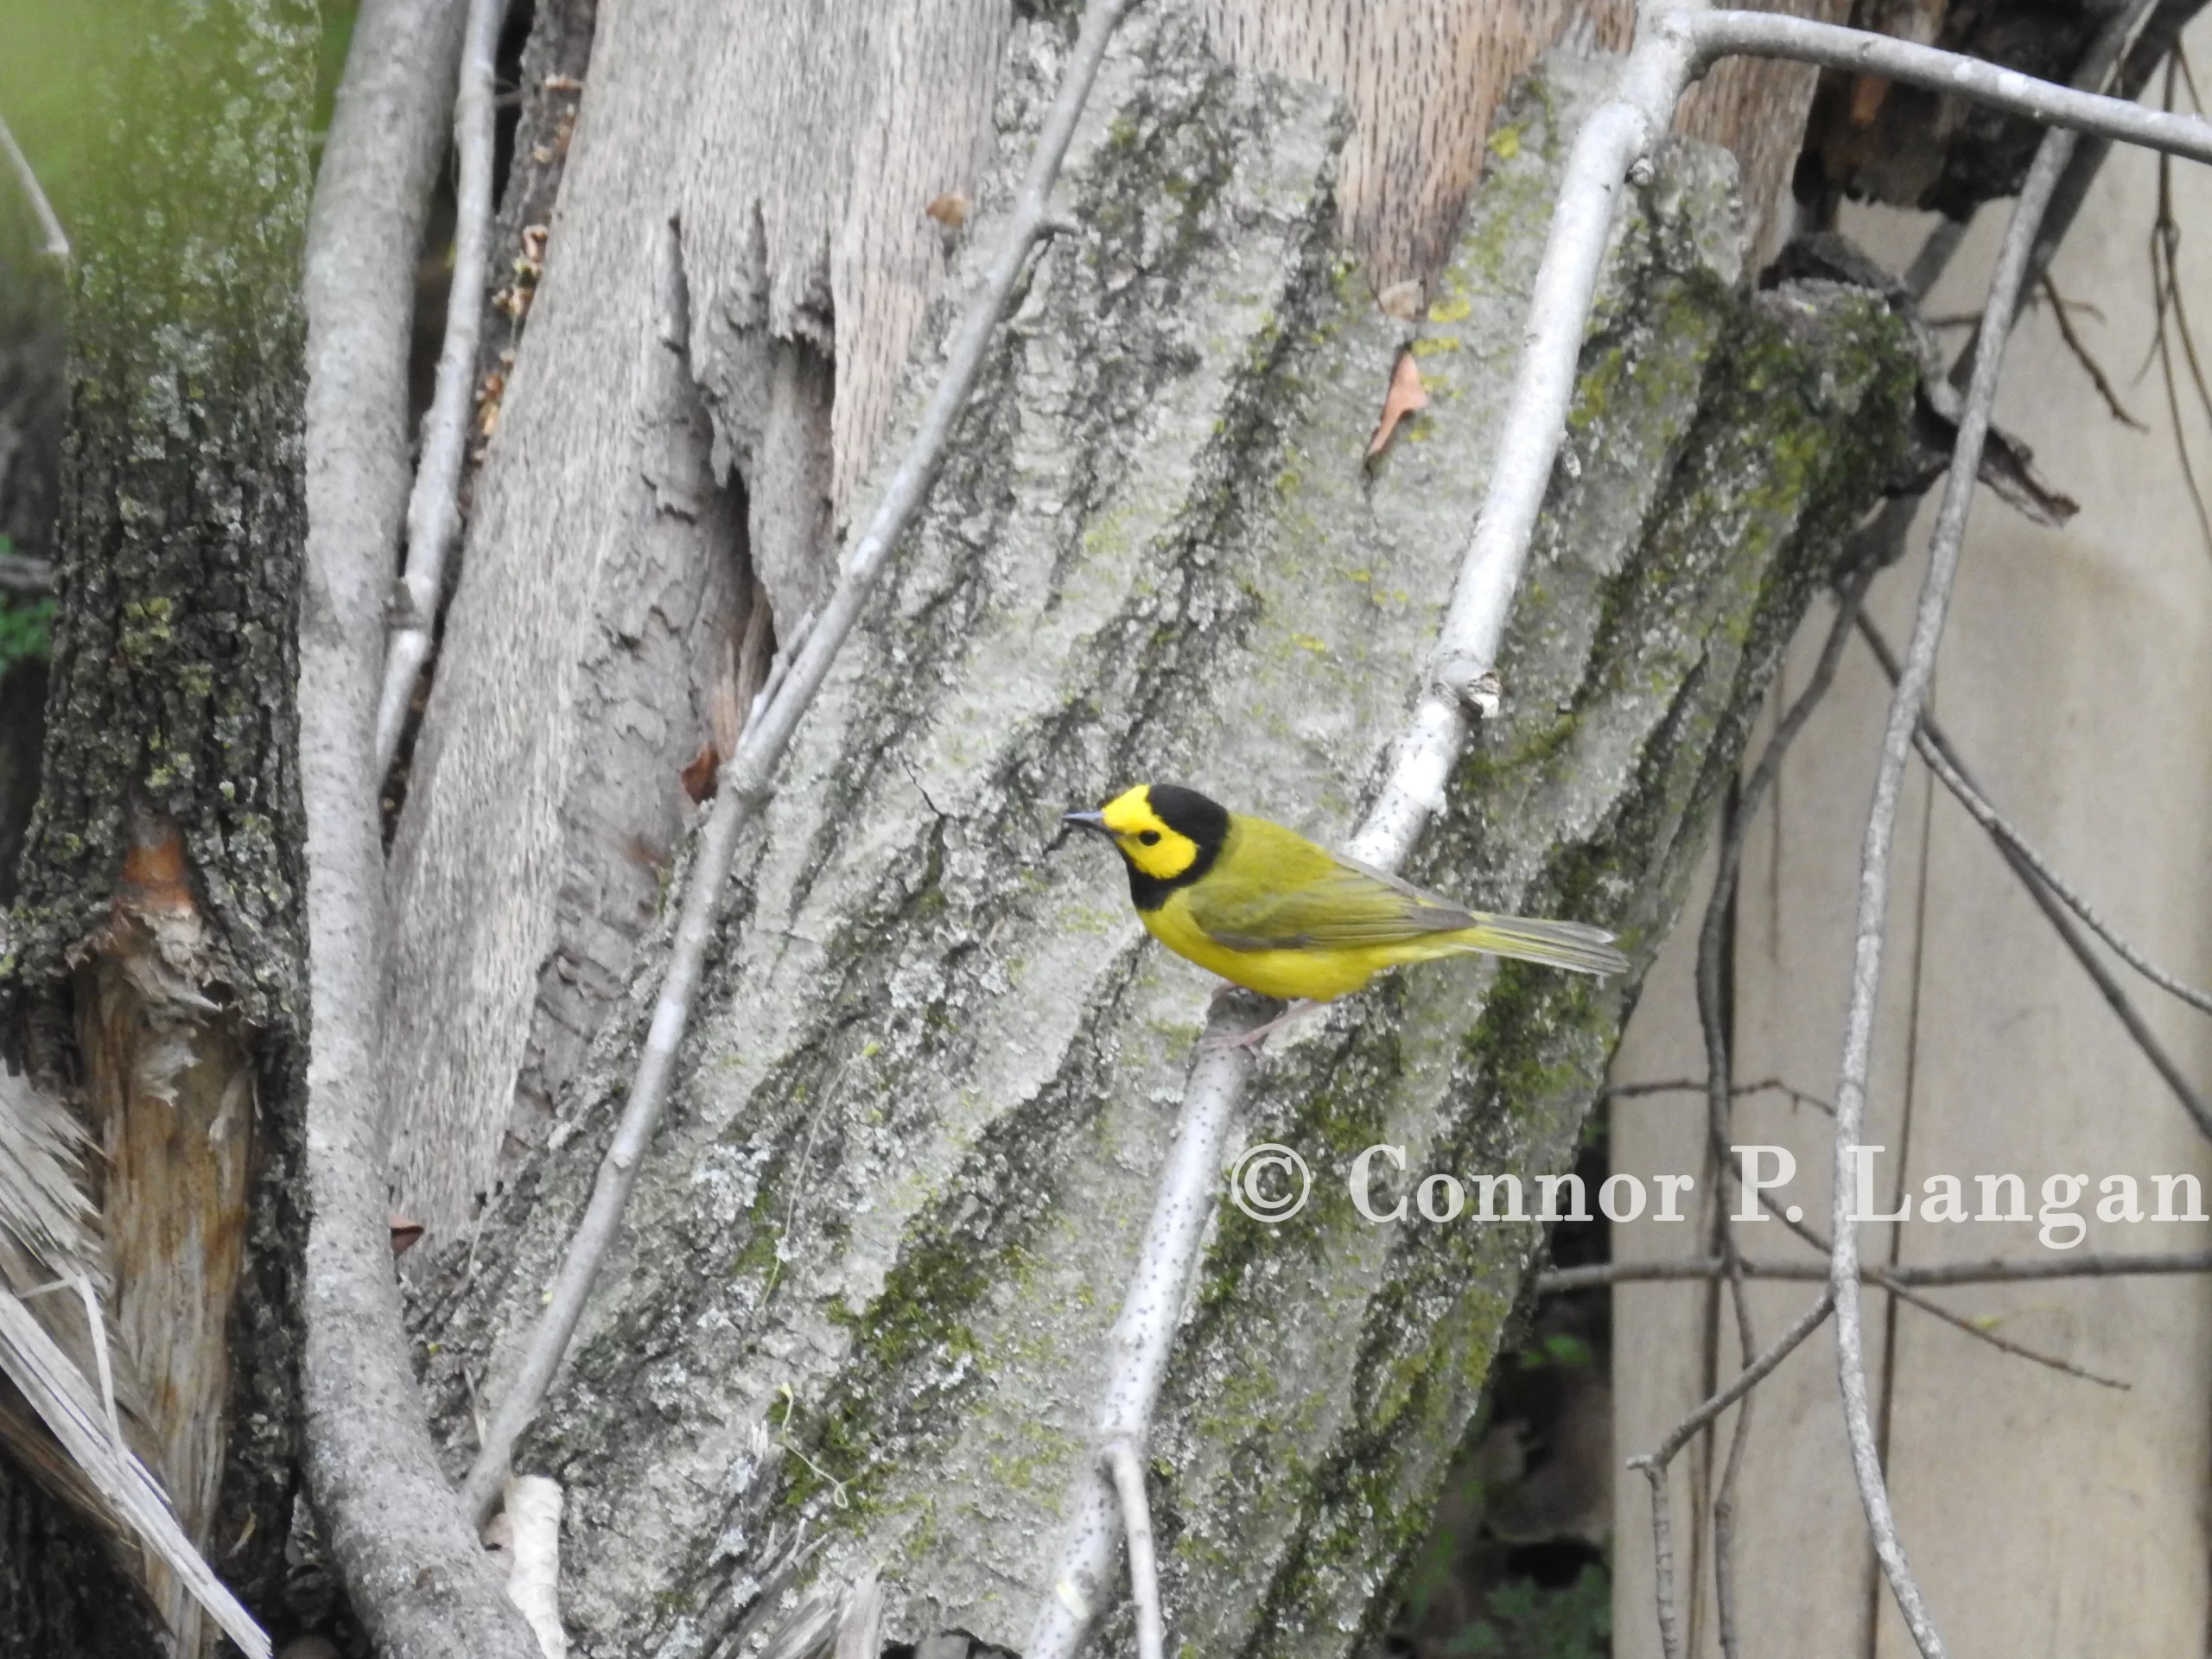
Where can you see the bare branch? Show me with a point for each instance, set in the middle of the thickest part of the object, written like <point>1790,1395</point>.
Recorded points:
<point>748,779</point>
<point>57,242</point>
<point>1795,1096</point>
<point>1654,1464</point>
<point>391,1517</point>
<point>1747,1379</point>
<point>2089,364</point>
<point>2167,305</point>
<point>1935,749</point>
<point>1144,1572</point>
<point>1994,1270</point>
<point>1983,1334</point>
<point>1906,704</point>
<point>1724,1500</point>
<point>1935,255</point>
<point>2069,109</point>
<point>433,509</point>
<point>2054,907</point>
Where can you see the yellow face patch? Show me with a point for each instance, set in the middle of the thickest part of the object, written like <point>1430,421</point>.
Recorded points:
<point>1144,840</point>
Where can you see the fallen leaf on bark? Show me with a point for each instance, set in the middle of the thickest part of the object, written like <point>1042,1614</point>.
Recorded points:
<point>1406,395</point>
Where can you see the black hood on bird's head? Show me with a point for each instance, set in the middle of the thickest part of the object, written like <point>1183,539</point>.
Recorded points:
<point>1189,813</point>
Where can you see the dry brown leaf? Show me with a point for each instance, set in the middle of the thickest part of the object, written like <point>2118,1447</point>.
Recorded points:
<point>950,208</point>
<point>699,776</point>
<point>404,1233</point>
<point>1407,394</point>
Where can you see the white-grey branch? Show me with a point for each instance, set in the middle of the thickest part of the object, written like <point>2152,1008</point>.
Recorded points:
<point>57,242</point>
<point>383,1501</point>
<point>433,508</point>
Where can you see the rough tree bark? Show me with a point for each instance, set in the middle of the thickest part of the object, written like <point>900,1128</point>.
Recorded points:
<point>857,1321</point>
<point>537,828</point>
<point>154,964</point>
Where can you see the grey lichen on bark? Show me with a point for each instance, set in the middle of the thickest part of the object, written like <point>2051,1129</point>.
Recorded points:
<point>173,651</point>
<point>155,953</point>
<point>872,1260</point>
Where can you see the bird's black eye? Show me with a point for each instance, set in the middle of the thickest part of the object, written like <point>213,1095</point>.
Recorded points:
<point>1150,837</point>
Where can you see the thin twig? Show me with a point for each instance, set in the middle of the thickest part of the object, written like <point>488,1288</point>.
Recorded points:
<point>1713,942</point>
<point>1935,750</point>
<point>378,1486</point>
<point>1983,1334</point>
<point>1995,1270</point>
<point>433,509</point>
<point>1789,1091</point>
<point>1724,1500</point>
<point>748,779</point>
<point>1883,1276</point>
<point>1935,255</point>
<point>1746,1379</point>
<point>1654,1464</point>
<point>57,241</point>
<point>2166,302</point>
<point>1120,1459</point>
<point>1930,739</point>
<point>2089,364</point>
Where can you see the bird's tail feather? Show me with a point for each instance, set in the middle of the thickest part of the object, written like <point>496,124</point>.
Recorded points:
<point>1558,944</point>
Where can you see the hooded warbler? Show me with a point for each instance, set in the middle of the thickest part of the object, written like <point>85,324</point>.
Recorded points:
<point>1263,906</point>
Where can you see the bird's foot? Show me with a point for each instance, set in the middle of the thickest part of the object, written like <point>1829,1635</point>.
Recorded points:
<point>1260,1033</point>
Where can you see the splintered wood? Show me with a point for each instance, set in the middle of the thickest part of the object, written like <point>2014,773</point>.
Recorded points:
<point>171,1090</point>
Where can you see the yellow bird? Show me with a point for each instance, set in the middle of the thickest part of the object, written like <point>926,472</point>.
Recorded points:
<point>1263,906</point>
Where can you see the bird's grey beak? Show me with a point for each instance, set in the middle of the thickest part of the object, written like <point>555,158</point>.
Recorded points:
<point>1088,820</point>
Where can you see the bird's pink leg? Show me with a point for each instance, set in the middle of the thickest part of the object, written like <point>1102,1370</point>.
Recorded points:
<point>1259,1034</point>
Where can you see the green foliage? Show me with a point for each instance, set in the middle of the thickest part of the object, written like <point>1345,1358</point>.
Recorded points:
<point>1524,1620</point>
<point>26,627</point>
<point>26,631</point>
<point>1560,1348</point>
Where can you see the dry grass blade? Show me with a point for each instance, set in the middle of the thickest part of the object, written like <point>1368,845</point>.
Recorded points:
<point>69,1404</point>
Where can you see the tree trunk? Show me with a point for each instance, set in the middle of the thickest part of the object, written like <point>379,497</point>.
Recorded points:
<point>857,1323</point>
<point>156,954</point>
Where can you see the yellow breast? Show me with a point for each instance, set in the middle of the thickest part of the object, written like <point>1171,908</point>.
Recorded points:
<point>1320,974</point>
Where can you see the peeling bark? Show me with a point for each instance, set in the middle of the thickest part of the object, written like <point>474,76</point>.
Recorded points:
<point>155,957</point>
<point>871,1262</point>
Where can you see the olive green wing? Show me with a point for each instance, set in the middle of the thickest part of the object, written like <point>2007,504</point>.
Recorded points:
<point>1278,892</point>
